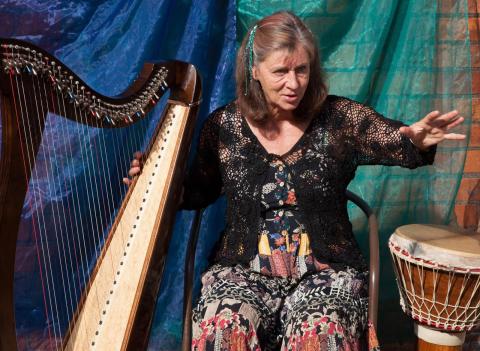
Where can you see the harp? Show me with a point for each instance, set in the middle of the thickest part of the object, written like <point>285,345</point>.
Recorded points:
<point>105,296</point>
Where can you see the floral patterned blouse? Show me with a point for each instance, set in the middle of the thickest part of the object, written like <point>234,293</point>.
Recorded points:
<point>283,246</point>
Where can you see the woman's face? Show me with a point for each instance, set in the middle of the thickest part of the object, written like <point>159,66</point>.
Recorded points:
<point>284,77</point>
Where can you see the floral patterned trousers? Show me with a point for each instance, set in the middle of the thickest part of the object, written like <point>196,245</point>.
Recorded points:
<point>240,309</point>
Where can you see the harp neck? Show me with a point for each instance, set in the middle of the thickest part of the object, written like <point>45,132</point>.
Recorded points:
<point>20,59</point>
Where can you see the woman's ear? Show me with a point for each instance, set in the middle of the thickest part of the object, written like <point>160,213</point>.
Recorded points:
<point>254,73</point>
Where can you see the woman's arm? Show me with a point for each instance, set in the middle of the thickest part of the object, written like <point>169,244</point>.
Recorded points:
<point>202,184</point>
<point>203,181</point>
<point>380,140</point>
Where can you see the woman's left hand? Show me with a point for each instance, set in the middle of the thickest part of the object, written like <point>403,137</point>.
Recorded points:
<point>433,128</point>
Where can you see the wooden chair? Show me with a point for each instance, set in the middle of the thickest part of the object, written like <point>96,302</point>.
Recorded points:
<point>373,278</point>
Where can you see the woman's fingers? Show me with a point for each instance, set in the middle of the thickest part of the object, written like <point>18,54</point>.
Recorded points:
<point>448,117</point>
<point>138,155</point>
<point>136,164</point>
<point>443,120</point>
<point>407,131</point>
<point>135,167</point>
<point>454,136</point>
<point>133,171</point>
<point>430,117</point>
<point>455,122</point>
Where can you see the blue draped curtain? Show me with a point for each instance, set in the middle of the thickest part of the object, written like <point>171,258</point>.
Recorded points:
<point>106,44</point>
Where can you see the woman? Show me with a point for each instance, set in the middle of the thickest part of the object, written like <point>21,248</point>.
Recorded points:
<point>288,272</point>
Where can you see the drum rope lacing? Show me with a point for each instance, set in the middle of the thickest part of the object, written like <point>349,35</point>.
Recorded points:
<point>452,315</point>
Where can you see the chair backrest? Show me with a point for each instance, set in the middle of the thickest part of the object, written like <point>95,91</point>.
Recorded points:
<point>373,267</point>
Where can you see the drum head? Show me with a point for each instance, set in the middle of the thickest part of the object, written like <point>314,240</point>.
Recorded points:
<point>439,245</point>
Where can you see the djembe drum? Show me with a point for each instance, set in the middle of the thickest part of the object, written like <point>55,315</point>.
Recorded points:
<point>438,276</point>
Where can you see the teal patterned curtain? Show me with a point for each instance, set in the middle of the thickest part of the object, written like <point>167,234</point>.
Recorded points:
<point>405,59</point>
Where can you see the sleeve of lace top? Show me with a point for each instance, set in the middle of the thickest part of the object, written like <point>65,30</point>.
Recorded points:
<point>378,140</point>
<point>203,182</point>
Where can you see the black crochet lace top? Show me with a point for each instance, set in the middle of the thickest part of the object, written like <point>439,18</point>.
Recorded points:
<point>344,135</point>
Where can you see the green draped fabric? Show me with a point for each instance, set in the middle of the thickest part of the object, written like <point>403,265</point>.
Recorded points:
<point>405,59</point>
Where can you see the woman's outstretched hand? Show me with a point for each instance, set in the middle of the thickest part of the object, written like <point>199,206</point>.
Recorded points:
<point>433,128</point>
<point>135,167</point>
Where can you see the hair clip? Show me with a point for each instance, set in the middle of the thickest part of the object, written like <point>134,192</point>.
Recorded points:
<point>249,58</point>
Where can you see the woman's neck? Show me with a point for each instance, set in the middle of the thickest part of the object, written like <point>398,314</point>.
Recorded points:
<point>280,115</point>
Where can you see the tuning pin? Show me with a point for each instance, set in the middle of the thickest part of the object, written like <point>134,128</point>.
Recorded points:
<point>70,96</point>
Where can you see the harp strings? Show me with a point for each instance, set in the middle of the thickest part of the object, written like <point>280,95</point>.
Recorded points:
<point>67,162</point>
<point>97,163</point>
<point>65,288</point>
<point>91,225</point>
<point>40,111</point>
<point>58,182</point>
<point>27,155</point>
<point>99,193</point>
<point>75,223</point>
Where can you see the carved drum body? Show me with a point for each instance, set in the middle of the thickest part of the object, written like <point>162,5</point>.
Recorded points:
<point>438,275</point>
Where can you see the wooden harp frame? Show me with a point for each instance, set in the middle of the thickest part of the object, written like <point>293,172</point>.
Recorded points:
<point>21,58</point>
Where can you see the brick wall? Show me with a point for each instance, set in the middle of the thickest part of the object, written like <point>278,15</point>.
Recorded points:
<point>467,204</point>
